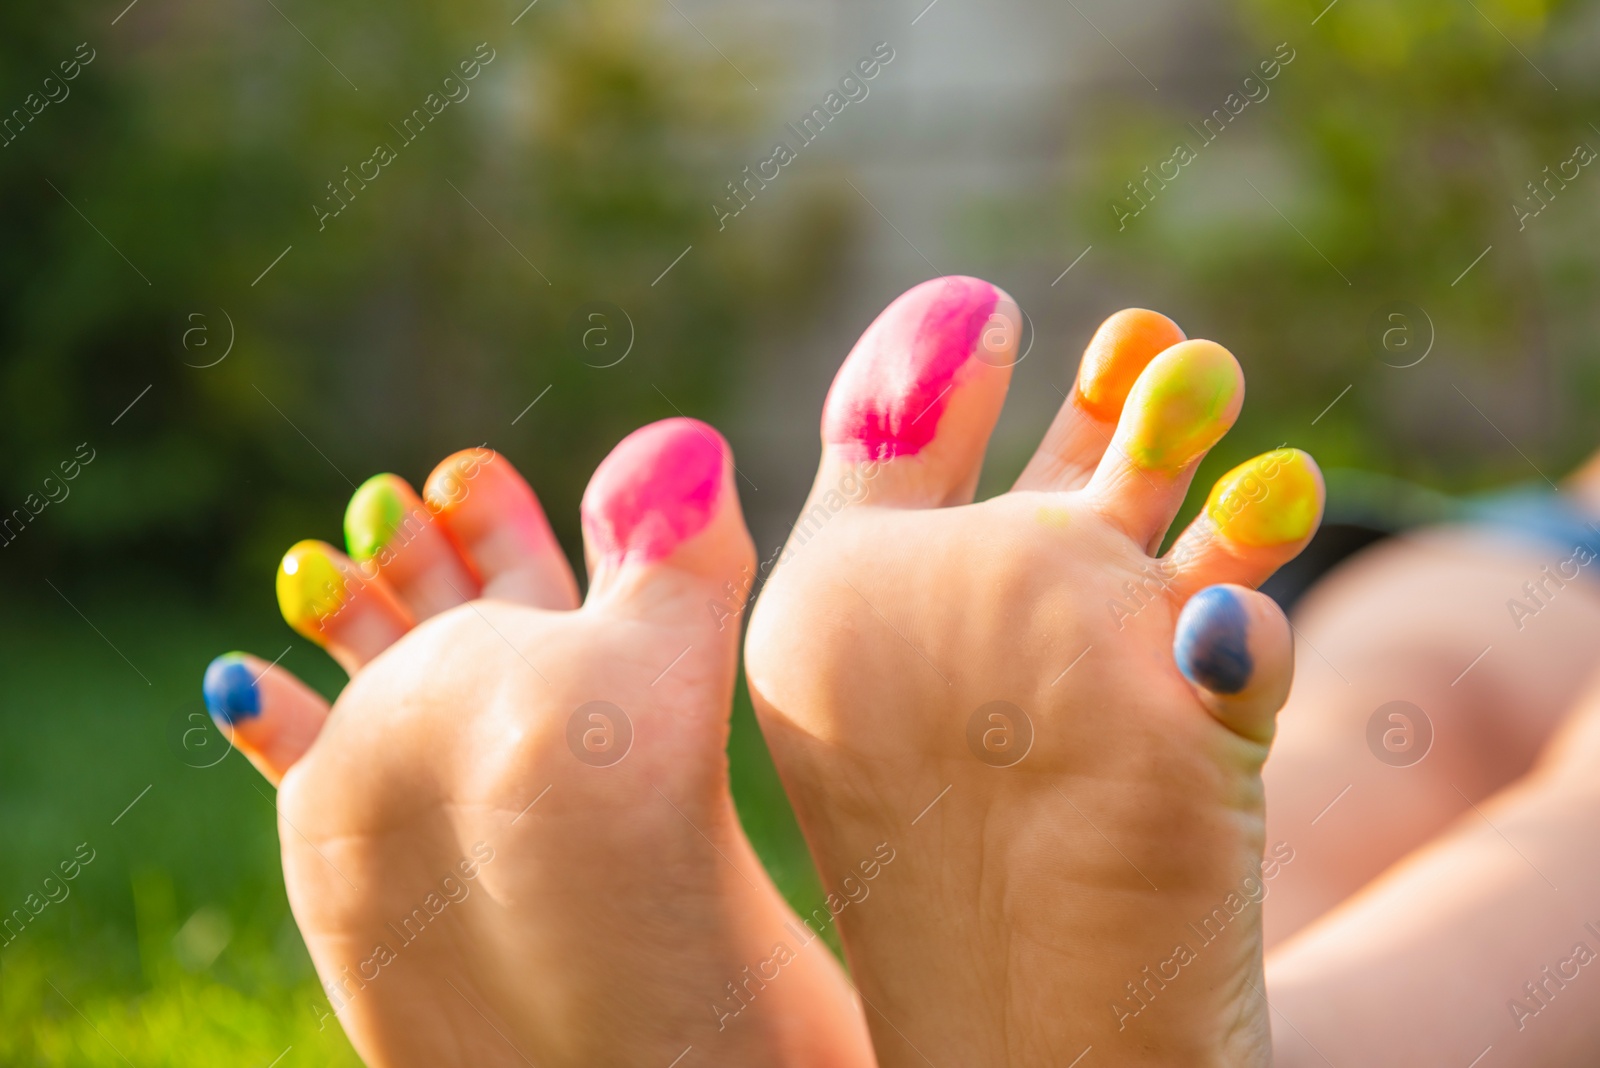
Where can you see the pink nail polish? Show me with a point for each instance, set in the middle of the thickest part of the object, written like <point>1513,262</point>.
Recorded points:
<point>658,488</point>
<point>896,384</point>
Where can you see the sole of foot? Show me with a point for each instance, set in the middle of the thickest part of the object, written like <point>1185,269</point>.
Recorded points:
<point>1056,733</point>
<point>511,840</point>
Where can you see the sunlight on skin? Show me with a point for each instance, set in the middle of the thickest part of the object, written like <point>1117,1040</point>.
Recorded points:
<point>1147,732</point>
<point>902,399</point>
<point>457,733</point>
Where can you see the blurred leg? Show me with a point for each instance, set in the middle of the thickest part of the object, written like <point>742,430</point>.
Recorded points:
<point>1488,938</point>
<point>1408,620</point>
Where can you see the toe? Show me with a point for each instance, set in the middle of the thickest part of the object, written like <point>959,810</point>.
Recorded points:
<point>662,513</point>
<point>1235,646</point>
<point>1121,349</point>
<point>388,529</point>
<point>266,713</point>
<point>918,396</point>
<point>326,598</point>
<point>1180,406</point>
<point>492,515</point>
<point>1257,518</point>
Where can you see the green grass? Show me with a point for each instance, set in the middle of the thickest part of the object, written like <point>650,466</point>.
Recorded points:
<point>174,945</point>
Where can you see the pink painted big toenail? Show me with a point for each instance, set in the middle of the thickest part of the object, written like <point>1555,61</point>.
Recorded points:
<point>897,382</point>
<point>658,488</point>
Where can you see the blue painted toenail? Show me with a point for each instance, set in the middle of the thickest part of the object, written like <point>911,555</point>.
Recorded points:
<point>230,689</point>
<point>1211,646</point>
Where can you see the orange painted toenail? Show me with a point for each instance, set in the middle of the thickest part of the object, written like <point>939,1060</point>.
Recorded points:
<point>1121,349</point>
<point>451,481</point>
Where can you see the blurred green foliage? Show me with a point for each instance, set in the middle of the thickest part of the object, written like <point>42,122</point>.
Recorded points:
<point>1385,161</point>
<point>140,211</point>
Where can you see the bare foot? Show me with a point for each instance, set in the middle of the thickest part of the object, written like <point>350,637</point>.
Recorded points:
<point>1000,693</point>
<point>511,840</point>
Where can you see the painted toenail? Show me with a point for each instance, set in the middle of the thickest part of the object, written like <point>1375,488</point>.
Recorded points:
<point>230,689</point>
<point>310,588</point>
<point>376,512</point>
<point>451,482</point>
<point>659,487</point>
<point>1211,646</point>
<point>1180,406</point>
<point>1109,369</point>
<point>896,384</point>
<point>1270,500</point>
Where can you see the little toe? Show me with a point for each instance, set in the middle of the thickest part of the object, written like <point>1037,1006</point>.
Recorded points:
<point>1180,406</point>
<point>662,513</point>
<point>1077,439</point>
<point>326,598</point>
<point>388,529</point>
<point>492,515</point>
<point>1257,518</point>
<point>915,401</point>
<point>266,713</point>
<point>1234,644</point>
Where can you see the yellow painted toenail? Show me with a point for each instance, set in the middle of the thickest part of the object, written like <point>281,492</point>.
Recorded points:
<point>310,588</point>
<point>1181,406</point>
<point>1273,499</point>
<point>1053,517</point>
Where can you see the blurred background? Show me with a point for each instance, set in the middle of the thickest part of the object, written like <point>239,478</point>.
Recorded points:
<point>222,306</point>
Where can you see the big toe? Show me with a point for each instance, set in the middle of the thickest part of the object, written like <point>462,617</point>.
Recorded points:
<point>661,522</point>
<point>918,396</point>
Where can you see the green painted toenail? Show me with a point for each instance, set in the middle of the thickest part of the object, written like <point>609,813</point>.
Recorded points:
<point>376,511</point>
<point>1181,406</point>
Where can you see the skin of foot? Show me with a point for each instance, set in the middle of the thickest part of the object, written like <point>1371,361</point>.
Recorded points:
<point>1059,735</point>
<point>1481,946</point>
<point>511,840</point>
